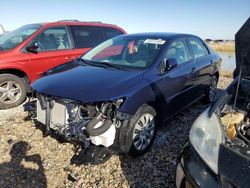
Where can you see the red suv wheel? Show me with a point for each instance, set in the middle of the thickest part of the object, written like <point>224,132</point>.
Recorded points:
<point>12,91</point>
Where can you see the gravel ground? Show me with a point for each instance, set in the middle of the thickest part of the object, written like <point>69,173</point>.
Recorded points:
<point>29,160</point>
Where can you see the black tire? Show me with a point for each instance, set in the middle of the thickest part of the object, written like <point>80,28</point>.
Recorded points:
<point>142,111</point>
<point>212,91</point>
<point>18,84</point>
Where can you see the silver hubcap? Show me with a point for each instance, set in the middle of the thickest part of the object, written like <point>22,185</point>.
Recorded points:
<point>10,92</point>
<point>212,89</point>
<point>143,132</point>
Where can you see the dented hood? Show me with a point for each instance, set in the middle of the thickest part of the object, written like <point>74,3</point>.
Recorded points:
<point>87,83</point>
<point>242,45</point>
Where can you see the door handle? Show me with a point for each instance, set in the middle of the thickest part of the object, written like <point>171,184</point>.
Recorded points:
<point>193,69</point>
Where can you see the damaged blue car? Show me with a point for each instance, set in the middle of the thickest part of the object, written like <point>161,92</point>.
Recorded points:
<point>114,96</point>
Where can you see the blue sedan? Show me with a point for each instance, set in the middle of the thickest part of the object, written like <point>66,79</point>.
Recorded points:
<point>115,95</point>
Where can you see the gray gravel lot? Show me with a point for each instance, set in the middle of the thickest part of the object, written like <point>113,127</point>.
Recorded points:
<point>29,160</point>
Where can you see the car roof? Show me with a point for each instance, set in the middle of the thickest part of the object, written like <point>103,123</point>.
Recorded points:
<point>76,22</point>
<point>163,35</point>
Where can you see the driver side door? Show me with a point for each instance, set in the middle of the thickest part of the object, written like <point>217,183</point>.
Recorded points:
<point>54,49</point>
<point>177,84</point>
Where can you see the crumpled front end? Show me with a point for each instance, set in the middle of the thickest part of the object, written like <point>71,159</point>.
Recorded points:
<point>89,124</point>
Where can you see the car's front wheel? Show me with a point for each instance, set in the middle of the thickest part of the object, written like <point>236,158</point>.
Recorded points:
<point>143,130</point>
<point>12,91</point>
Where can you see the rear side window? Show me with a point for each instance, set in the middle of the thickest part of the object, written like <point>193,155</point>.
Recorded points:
<point>198,47</point>
<point>111,32</point>
<point>86,36</point>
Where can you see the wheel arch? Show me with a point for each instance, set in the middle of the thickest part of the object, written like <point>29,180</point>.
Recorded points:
<point>19,73</point>
<point>217,75</point>
<point>137,99</point>
<point>155,106</point>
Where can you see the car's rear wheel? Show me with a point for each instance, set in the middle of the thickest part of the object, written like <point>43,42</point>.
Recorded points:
<point>143,130</point>
<point>212,91</point>
<point>12,91</point>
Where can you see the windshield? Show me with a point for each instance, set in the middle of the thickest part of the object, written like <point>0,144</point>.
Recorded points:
<point>126,51</point>
<point>11,39</point>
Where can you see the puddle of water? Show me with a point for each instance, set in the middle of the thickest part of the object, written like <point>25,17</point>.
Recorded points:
<point>228,60</point>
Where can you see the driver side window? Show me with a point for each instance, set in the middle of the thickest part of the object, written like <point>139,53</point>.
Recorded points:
<point>179,51</point>
<point>55,38</point>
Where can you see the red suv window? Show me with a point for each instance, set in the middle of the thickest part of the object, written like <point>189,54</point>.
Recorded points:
<point>55,38</point>
<point>110,51</point>
<point>111,32</point>
<point>86,36</point>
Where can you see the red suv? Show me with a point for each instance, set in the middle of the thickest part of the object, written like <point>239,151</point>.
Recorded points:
<point>27,52</point>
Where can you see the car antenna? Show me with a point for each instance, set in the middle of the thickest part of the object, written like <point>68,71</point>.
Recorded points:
<point>236,96</point>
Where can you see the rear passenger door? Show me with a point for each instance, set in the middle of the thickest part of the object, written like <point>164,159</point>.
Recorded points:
<point>203,63</point>
<point>85,38</point>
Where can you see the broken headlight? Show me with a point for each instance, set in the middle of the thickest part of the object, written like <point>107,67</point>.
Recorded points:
<point>206,137</point>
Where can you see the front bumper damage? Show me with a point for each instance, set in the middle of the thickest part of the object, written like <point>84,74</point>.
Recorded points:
<point>99,129</point>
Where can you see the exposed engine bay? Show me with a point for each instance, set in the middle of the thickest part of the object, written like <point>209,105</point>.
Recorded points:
<point>84,123</point>
<point>236,122</point>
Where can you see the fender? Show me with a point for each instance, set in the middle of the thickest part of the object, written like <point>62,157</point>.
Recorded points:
<point>16,67</point>
<point>148,94</point>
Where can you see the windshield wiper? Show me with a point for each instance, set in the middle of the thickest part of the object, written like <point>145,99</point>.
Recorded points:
<point>83,60</point>
<point>100,64</point>
<point>111,65</point>
<point>91,63</point>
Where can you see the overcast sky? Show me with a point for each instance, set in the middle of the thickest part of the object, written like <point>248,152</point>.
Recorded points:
<point>216,19</point>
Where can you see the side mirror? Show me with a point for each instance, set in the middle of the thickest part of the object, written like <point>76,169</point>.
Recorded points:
<point>32,47</point>
<point>171,63</point>
<point>168,64</point>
